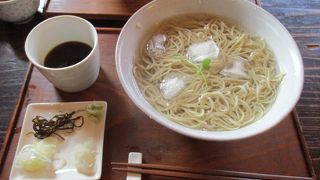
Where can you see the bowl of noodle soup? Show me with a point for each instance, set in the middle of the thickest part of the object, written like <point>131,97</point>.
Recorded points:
<point>206,71</point>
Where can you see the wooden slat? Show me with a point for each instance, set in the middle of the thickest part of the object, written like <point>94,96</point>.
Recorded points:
<point>97,9</point>
<point>15,116</point>
<point>303,142</point>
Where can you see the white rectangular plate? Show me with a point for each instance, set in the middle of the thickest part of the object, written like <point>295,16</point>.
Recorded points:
<point>89,130</point>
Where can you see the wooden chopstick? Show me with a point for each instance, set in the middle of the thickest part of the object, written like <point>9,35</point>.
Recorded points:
<point>195,173</point>
<point>174,174</point>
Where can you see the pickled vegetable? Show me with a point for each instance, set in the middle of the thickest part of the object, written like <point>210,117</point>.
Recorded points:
<point>37,156</point>
<point>85,157</point>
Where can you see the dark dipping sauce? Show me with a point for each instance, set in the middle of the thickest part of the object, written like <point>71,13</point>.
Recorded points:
<point>67,54</point>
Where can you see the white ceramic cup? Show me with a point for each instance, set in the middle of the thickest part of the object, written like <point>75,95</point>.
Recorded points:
<point>55,31</point>
<point>18,11</point>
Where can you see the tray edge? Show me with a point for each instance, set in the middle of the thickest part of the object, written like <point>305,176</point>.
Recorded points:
<point>15,116</point>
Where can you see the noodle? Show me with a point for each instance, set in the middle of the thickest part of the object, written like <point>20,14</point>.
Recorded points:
<point>210,101</point>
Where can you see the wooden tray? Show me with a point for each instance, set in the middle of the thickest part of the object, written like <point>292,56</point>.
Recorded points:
<point>97,9</point>
<point>94,9</point>
<point>279,151</point>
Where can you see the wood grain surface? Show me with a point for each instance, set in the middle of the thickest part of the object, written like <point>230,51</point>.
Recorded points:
<point>98,9</point>
<point>301,17</point>
<point>116,9</point>
<point>129,129</point>
<point>13,67</point>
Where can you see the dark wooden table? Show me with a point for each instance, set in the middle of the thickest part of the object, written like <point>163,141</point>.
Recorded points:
<point>301,17</point>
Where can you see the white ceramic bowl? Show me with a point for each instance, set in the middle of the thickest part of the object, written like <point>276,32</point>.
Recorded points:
<point>18,11</point>
<point>251,17</point>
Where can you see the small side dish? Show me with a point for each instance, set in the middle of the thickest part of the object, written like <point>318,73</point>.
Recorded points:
<point>61,141</point>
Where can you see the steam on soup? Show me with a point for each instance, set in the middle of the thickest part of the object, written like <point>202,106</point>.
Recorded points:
<point>204,73</point>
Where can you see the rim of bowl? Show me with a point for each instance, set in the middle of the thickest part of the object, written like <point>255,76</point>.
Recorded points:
<point>53,19</point>
<point>195,133</point>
